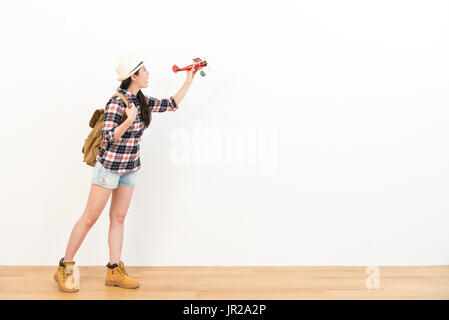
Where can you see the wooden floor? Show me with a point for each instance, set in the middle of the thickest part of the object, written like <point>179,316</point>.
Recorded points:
<point>292,283</point>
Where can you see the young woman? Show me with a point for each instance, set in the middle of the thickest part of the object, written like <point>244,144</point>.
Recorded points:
<point>116,169</point>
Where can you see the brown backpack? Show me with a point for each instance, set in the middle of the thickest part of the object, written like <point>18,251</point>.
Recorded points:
<point>93,144</point>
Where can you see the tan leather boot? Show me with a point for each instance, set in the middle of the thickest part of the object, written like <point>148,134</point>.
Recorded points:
<point>116,275</point>
<point>67,276</point>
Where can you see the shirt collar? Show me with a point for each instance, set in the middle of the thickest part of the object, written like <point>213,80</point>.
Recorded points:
<point>127,93</point>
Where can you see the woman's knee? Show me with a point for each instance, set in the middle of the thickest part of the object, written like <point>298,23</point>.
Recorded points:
<point>90,218</point>
<point>118,217</point>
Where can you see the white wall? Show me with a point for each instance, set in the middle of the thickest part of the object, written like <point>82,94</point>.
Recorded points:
<point>343,106</point>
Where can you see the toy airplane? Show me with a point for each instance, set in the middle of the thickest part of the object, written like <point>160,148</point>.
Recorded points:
<point>197,64</point>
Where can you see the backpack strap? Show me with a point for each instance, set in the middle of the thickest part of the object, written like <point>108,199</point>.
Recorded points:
<point>122,96</point>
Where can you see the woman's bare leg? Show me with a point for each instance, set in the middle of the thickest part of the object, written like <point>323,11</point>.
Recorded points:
<point>121,198</point>
<point>98,197</point>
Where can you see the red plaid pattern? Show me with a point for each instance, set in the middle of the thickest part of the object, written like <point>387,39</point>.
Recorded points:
<point>123,155</point>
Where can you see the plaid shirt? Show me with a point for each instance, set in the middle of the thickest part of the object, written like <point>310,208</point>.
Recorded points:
<point>123,155</point>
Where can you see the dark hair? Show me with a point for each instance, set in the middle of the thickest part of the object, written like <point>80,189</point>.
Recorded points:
<point>146,115</point>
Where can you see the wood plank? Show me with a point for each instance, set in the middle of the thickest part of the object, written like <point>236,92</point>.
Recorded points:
<point>247,282</point>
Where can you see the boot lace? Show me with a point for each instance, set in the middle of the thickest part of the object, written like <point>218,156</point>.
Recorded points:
<point>120,271</point>
<point>65,274</point>
<point>124,271</point>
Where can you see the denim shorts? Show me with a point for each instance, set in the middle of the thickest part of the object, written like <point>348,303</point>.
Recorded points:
<point>111,180</point>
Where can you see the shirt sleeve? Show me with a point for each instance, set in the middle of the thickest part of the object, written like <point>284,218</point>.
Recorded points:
<point>161,105</point>
<point>113,114</point>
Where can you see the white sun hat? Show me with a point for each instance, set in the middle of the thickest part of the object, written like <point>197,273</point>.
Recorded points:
<point>128,64</point>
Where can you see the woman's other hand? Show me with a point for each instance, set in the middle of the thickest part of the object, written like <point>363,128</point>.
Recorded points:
<point>131,112</point>
<point>190,74</point>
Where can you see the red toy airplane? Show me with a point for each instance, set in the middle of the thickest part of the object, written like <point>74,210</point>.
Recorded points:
<point>197,64</point>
